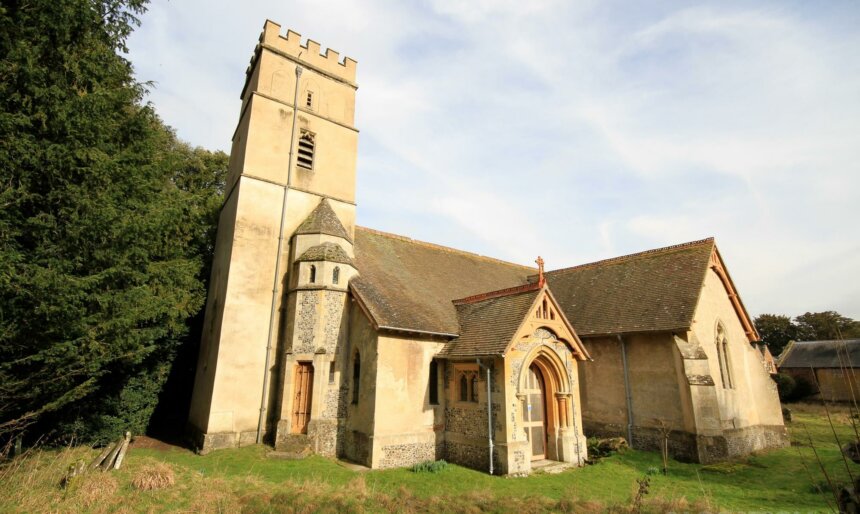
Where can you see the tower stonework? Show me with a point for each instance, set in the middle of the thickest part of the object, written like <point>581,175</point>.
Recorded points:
<point>293,158</point>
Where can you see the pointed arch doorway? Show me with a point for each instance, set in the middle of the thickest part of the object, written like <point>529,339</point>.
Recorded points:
<point>534,412</point>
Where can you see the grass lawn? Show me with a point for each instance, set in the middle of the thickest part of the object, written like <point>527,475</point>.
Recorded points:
<point>244,479</point>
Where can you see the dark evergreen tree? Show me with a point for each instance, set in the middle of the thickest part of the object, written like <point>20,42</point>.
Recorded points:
<point>776,331</point>
<point>106,224</point>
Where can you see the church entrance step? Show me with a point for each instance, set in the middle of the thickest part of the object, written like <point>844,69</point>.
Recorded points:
<point>550,466</point>
<point>294,446</point>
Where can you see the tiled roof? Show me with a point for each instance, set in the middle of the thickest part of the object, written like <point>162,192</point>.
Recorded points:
<point>323,220</point>
<point>409,284</point>
<point>487,326</point>
<point>657,290</point>
<point>327,251</point>
<point>822,354</point>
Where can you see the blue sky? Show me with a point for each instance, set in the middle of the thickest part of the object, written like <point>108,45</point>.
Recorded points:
<point>573,130</point>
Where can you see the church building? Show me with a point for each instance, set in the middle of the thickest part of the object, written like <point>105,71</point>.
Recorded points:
<point>386,351</point>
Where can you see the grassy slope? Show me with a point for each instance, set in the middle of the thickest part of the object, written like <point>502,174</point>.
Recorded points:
<point>244,478</point>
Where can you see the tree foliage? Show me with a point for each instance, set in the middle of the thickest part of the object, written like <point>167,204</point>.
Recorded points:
<point>785,386</point>
<point>106,223</point>
<point>827,325</point>
<point>777,330</point>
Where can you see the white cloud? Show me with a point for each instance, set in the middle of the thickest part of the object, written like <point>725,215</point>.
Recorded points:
<point>573,131</point>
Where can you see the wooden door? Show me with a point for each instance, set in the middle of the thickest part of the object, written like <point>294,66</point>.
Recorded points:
<point>303,382</point>
<point>534,413</point>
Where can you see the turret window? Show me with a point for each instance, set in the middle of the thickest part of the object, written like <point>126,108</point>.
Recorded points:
<point>307,144</point>
<point>313,274</point>
<point>335,275</point>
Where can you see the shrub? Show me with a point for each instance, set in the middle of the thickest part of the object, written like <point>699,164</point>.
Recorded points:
<point>785,385</point>
<point>430,466</point>
<point>802,389</point>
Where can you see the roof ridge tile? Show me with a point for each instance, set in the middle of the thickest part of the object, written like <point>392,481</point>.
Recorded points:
<point>497,294</point>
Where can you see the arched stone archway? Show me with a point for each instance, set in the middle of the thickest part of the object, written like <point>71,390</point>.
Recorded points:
<point>544,391</point>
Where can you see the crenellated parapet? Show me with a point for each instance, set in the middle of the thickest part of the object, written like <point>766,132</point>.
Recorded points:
<point>308,53</point>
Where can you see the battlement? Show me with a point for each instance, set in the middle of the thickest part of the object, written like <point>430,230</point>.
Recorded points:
<point>308,53</point>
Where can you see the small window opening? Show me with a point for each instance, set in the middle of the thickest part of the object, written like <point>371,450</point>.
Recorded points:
<point>335,275</point>
<point>356,377</point>
<point>433,383</point>
<point>313,277</point>
<point>310,100</point>
<point>726,361</point>
<point>474,388</point>
<point>307,144</point>
<point>464,389</point>
<point>331,372</point>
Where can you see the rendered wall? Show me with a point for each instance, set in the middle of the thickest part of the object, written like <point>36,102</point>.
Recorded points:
<point>407,428</point>
<point>752,401</point>
<point>357,442</point>
<point>658,392</point>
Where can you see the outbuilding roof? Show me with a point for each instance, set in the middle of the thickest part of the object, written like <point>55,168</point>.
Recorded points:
<point>821,354</point>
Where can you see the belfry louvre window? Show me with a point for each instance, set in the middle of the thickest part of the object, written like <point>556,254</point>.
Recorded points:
<point>307,144</point>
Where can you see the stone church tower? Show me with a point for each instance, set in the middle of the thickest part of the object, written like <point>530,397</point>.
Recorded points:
<point>277,302</point>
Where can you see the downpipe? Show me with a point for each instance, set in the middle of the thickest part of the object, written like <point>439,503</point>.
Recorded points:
<point>264,396</point>
<point>628,394</point>
<point>489,412</point>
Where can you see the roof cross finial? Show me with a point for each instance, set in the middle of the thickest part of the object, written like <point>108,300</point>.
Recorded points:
<point>541,278</point>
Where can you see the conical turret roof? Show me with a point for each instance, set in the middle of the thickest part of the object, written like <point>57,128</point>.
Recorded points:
<point>323,220</point>
<point>327,251</point>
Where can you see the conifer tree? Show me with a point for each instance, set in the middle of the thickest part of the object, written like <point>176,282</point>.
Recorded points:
<point>105,224</point>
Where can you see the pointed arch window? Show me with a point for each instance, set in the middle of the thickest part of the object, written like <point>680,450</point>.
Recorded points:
<point>464,388</point>
<point>356,377</point>
<point>313,274</point>
<point>721,342</point>
<point>474,388</point>
<point>335,275</point>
